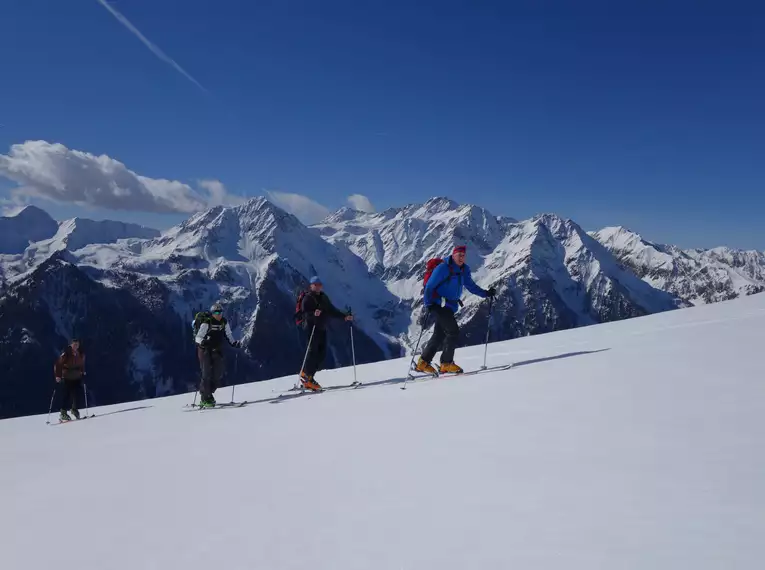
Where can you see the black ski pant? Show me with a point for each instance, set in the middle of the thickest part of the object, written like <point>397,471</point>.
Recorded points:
<point>70,390</point>
<point>317,351</point>
<point>446,332</point>
<point>211,363</point>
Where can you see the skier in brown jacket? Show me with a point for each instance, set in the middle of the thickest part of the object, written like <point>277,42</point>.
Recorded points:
<point>69,371</point>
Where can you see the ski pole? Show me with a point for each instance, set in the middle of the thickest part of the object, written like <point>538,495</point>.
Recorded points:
<point>85,389</point>
<point>414,355</point>
<point>305,359</point>
<point>488,330</point>
<point>236,371</point>
<point>353,354</point>
<point>199,382</point>
<point>353,349</point>
<point>50,409</point>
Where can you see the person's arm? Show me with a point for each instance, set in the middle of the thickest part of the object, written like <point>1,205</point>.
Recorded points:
<point>471,286</point>
<point>58,367</point>
<point>202,333</point>
<point>437,278</point>
<point>230,336</point>
<point>333,311</point>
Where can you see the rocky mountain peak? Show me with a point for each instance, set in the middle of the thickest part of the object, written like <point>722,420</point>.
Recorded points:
<point>29,225</point>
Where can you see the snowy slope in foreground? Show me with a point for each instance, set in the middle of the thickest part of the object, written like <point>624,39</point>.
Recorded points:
<point>629,445</point>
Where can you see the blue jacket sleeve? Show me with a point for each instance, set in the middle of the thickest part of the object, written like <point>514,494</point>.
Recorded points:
<point>439,275</point>
<point>471,286</point>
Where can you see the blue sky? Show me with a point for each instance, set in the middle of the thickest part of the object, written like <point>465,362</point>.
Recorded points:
<point>646,113</point>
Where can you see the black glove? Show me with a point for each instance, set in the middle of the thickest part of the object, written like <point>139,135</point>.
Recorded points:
<point>491,292</point>
<point>424,317</point>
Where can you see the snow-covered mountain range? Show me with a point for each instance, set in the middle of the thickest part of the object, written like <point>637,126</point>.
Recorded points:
<point>130,292</point>
<point>697,276</point>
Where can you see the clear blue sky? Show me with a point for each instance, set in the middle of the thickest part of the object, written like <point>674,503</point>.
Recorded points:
<point>644,113</point>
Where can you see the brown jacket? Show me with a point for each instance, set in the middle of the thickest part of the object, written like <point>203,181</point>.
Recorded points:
<point>70,366</point>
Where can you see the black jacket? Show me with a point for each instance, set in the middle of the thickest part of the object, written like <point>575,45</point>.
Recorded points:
<point>212,332</point>
<point>313,301</point>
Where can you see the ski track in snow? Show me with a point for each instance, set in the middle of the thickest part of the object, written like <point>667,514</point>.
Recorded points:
<point>632,445</point>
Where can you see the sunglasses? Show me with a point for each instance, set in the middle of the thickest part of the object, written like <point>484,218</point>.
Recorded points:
<point>217,312</point>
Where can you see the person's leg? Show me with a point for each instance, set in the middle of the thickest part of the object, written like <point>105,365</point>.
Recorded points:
<point>452,333</point>
<point>322,351</point>
<point>218,365</point>
<point>316,352</point>
<point>434,344</point>
<point>66,396</point>
<point>75,388</point>
<point>205,364</point>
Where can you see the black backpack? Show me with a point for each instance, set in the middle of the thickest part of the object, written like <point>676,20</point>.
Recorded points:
<point>199,318</point>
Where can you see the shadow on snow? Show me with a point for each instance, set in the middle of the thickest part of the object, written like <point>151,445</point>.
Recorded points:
<point>124,410</point>
<point>391,381</point>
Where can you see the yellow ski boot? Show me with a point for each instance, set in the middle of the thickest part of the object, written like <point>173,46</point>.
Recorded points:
<point>423,366</point>
<point>450,368</point>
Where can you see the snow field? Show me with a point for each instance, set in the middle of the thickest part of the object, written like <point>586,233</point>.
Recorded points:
<point>628,445</point>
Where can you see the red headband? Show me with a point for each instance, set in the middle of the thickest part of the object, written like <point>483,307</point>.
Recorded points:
<point>459,249</point>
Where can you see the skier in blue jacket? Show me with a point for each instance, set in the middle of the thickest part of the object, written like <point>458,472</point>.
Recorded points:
<point>442,300</point>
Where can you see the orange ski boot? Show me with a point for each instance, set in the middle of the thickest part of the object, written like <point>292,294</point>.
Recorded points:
<point>309,383</point>
<point>424,366</point>
<point>450,368</point>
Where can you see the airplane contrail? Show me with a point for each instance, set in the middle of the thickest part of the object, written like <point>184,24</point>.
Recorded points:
<point>149,44</point>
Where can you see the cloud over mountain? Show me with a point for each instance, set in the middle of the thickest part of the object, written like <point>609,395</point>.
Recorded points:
<point>55,172</point>
<point>302,207</point>
<point>361,203</point>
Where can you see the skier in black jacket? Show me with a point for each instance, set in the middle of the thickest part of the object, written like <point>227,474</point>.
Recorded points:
<point>209,339</point>
<point>317,309</point>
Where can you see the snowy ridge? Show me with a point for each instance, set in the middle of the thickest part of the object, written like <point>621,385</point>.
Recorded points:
<point>27,226</point>
<point>633,445</point>
<point>549,272</point>
<point>697,276</point>
<point>78,233</point>
<point>52,237</point>
<point>232,251</point>
<point>397,240</point>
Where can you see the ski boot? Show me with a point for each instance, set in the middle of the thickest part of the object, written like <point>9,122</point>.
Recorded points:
<point>76,414</point>
<point>64,417</point>
<point>309,383</point>
<point>206,403</point>
<point>426,367</point>
<point>450,368</point>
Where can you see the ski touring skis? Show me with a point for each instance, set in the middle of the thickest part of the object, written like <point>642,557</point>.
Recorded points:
<point>70,420</point>
<point>351,386</point>
<point>197,407</point>
<point>423,377</point>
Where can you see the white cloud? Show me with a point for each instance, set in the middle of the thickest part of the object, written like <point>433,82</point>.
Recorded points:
<point>12,206</point>
<point>302,207</point>
<point>54,172</point>
<point>149,44</point>
<point>361,203</point>
<point>218,195</point>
